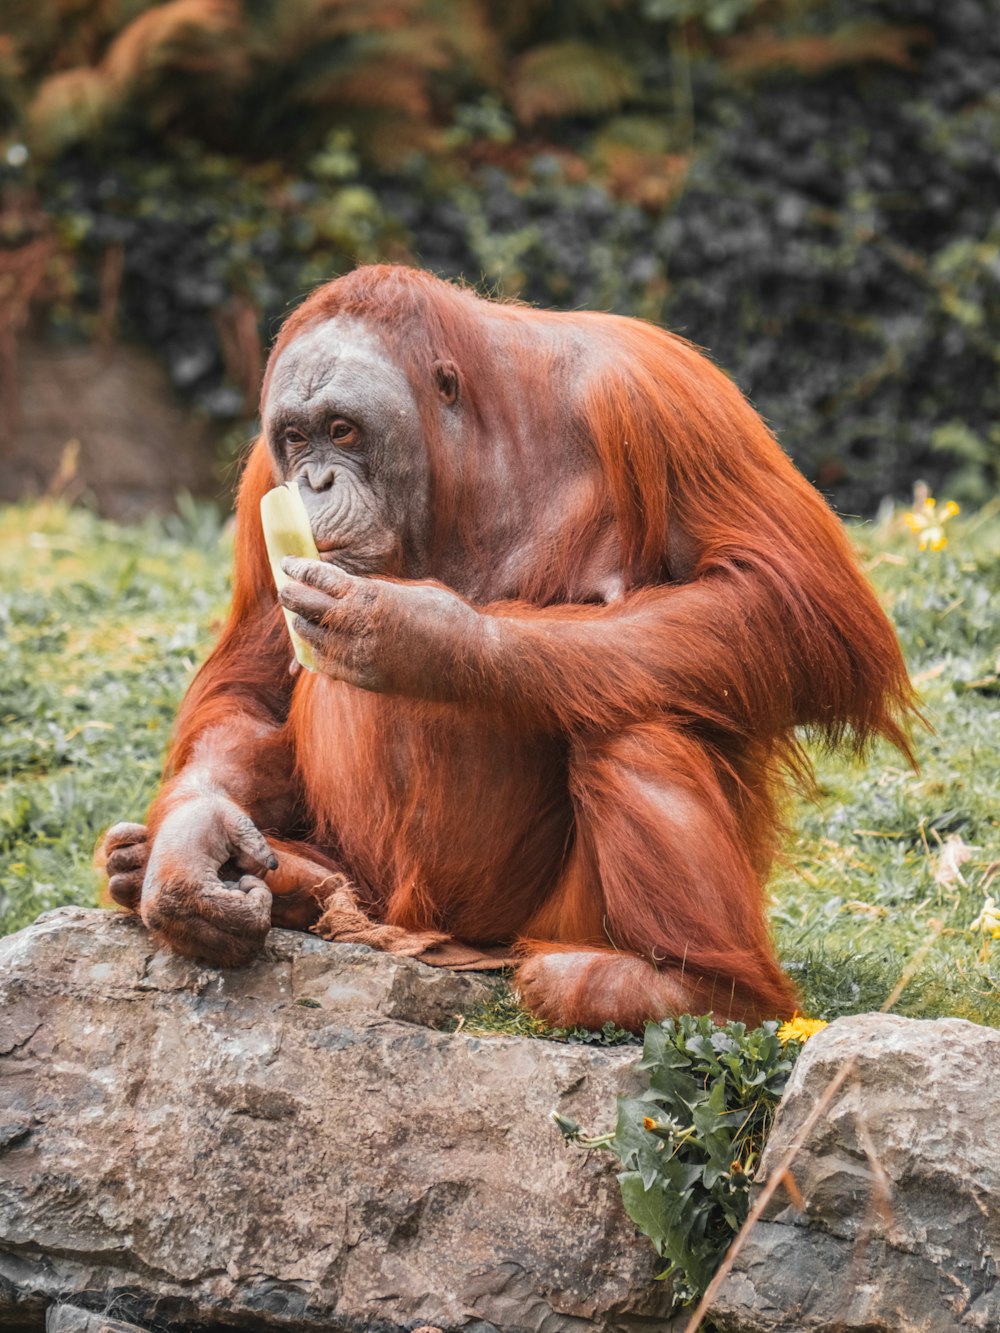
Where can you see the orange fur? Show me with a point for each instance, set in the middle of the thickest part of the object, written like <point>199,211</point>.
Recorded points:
<point>671,600</point>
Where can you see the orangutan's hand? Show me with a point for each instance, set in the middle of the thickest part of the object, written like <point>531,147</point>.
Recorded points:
<point>389,636</point>
<point>203,895</point>
<point>123,856</point>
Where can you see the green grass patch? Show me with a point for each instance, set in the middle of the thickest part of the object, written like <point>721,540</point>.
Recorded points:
<point>101,628</point>
<point>866,889</point>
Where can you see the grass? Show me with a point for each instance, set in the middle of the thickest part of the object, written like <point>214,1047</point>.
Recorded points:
<point>101,627</point>
<point>865,887</point>
<point>100,630</point>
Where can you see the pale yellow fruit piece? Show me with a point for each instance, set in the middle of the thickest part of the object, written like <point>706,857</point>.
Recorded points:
<point>287,532</point>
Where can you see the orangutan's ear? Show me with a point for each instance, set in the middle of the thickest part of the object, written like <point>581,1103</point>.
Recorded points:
<point>446,374</point>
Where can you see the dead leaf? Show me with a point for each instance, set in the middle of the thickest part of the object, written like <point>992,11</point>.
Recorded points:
<point>858,908</point>
<point>952,856</point>
<point>793,1191</point>
<point>932,673</point>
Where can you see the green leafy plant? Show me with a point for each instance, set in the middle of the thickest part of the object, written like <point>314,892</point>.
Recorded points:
<point>690,1142</point>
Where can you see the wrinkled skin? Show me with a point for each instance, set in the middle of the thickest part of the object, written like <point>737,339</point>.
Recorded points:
<point>342,422</point>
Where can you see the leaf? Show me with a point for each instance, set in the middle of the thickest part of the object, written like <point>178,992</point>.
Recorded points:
<point>949,861</point>
<point>69,106</point>
<point>646,1207</point>
<point>702,1046</point>
<point>680,1087</point>
<point>660,1048</point>
<point>638,1149</point>
<point>728,1043</point>
<point>569,78</point>
<point>988,684</point>
<point>202,37</point>
<point>764,50</point>
<point>668,1065</point>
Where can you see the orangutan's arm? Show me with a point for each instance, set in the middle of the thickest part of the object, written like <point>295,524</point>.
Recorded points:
<point>698,648</point>
<point>745,648</point>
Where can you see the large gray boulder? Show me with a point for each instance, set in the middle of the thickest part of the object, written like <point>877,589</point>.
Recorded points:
<point>298,1145</point>
<point>901,1182</point>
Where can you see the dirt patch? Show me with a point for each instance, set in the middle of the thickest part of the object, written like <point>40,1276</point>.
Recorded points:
<point>137,444</point>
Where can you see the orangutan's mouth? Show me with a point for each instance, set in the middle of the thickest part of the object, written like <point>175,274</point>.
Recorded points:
<point>351,562</point>
<point>361,558</point>
<point>335,554</point>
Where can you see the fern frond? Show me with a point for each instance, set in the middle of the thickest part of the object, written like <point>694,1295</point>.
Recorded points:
<point>569,78</point>
<point>762,51</point>
<point>199,37</point>
<point>68,107</point>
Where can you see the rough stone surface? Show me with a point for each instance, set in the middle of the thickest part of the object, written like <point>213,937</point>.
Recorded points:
<point>138,444</point>
<point>901,1182</point>
<point>71,1319</point>
<point>292,1146</point>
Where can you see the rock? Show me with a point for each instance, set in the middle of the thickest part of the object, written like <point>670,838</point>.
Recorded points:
<point>296,1146</point>
<point>71,1319</point>
<point>901,1182</point>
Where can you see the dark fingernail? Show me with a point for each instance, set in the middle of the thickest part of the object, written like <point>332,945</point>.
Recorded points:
<point>272,862</point>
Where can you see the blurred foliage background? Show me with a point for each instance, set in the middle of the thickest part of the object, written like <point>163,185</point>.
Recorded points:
<point>808,188</point>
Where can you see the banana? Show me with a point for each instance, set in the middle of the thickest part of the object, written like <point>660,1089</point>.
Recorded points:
<point>287,532</point>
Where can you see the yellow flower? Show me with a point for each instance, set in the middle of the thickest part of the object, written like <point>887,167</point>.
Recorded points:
<point>927,524</point>
<point>800,1029</point>
<point>988,920</point>
<point>648,1122</point>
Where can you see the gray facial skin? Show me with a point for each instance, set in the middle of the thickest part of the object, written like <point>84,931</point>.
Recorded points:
<point>342,421</point>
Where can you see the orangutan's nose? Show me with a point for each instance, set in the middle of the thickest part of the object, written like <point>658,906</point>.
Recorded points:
<point>319,476</point>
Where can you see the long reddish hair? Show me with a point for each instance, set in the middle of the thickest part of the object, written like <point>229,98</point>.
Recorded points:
<point>745,619</point>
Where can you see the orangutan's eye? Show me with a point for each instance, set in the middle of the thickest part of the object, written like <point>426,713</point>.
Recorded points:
<point>343,433</point>
<point>293,439</point>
